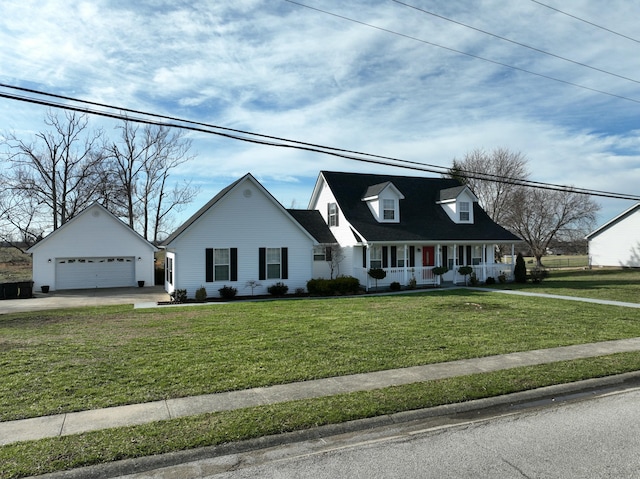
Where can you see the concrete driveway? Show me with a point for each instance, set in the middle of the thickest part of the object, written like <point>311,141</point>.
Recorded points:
<point>84,297</point>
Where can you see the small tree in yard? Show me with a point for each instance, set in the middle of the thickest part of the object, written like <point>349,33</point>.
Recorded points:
<point>465,271</point>
<point>377,273</point>
<point>439,271</point>
<point>520,270</point>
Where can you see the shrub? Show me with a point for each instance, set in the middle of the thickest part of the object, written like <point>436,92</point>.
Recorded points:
<point>491,280</point>
<point>520,270</point>
<point>473,279</point>
<point>201,294</point>
<point>300,292</point>
<point>331,287</point>
<point>278,289</point>
<point>502,278</point>
<point>228,292</point>
<point>395,286</point>
<point>179,295</point>
<point>538,274</point>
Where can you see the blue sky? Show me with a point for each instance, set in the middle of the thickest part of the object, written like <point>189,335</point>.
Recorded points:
<point>276,68</point>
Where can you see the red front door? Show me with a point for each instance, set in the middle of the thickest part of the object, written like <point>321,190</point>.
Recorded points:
<point>428,256</point>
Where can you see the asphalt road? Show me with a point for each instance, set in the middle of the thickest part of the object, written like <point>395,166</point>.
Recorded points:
<point>590,438</point>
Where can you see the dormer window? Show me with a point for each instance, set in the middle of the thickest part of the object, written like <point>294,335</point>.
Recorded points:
<point>456,202</point>
<point>464,212</point>
<point>384,202</point>
<point>389,209</point>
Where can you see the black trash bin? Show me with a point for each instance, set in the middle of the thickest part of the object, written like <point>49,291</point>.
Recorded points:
<point>25,289</point>
<point>10,290</point>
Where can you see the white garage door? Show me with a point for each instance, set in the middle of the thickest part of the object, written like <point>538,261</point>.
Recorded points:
<point>81,273</point>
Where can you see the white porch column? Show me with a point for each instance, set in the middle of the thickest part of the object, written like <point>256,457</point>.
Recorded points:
<point>368,266</point>
<point>484,261</point>
<point>406,264</point>
<point>455,262</point>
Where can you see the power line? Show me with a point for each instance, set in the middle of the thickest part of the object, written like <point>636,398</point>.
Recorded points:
<point>586,21</point>
<point>471,55</point>
<point>246,136</point>
<point>516,42</point>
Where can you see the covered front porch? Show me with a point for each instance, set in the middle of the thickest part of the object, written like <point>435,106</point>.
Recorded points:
<point>411,265</point>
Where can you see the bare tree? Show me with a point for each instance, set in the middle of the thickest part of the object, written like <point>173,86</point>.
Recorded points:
<point>57,173</point>
<point>479,170</point>
<point>335,255</point>
<point>539,215</point>
<point>142,162</point>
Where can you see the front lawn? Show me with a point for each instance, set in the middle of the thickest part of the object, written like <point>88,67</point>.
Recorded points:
<point>599,283</point>
<point>68,360</point>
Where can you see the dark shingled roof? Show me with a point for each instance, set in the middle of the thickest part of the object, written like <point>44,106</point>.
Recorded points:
<point>421,218</point>
<point>312,221</point>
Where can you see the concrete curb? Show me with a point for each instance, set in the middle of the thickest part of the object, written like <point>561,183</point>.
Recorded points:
<point>500,404</point>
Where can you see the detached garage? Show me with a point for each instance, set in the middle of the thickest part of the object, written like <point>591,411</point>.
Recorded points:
<point>93,250</point>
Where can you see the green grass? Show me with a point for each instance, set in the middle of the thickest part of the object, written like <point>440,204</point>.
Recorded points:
<point>48,455</point>
<point>69,360</point>
<point>75,359</point>
<point>609,284</point>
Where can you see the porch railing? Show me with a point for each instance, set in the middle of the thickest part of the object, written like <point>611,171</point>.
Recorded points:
<point>424,275</point>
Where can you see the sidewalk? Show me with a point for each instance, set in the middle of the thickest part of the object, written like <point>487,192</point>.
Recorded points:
<point>84,421</point>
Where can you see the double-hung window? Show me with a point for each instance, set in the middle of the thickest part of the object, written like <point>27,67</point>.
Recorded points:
<point>221,264</point>
<point>464,211</point>
<point>332,216</point>
<point>376,257</point>
<point>389,209</point>
<point>221,260</point>
<point>273,263</point>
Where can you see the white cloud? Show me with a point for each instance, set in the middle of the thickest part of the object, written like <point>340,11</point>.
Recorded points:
<point>288,71</point>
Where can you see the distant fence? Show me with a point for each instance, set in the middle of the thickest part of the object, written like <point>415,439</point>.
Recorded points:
<point>556,262</point>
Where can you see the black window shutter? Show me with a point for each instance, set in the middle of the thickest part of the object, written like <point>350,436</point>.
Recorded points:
<point>234,264</point>
<point>262,266</point>
<point>394,256</point>
<point>284,252</point>
<point>337,215</point>
<point>445,256</point>
<point>468,262</point>
<point>385,260</point>
<point>412,256</point>
<point>364,256</point>
<point>327,253</point>
<point>209,265</point>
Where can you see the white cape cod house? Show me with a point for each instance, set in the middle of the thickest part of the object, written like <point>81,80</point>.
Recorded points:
<point>407,225</point>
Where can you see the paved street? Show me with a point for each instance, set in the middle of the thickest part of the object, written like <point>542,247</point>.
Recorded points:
<point>595,438</point>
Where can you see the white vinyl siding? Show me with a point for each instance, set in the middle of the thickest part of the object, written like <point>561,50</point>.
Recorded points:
<point>246,222</point>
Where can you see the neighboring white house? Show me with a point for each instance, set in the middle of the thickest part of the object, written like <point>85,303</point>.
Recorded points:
<point>244,236</point>
<point>617,242</point>
<point>94,249</point>
<point>408,225</point>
